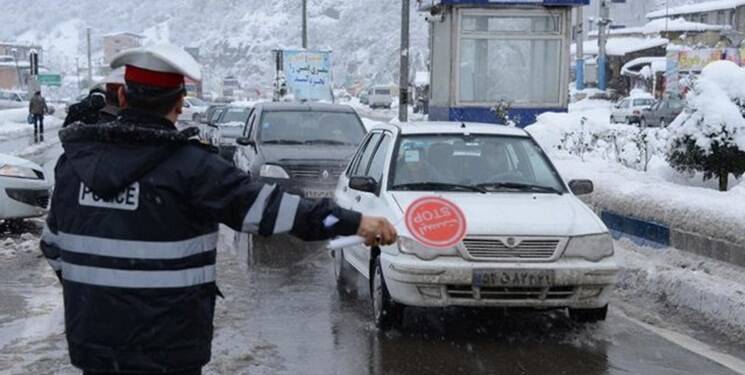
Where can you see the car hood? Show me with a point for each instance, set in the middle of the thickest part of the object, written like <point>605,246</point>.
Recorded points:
<point>12,160</point>
<point>517,214</point>
<point>276,153</point>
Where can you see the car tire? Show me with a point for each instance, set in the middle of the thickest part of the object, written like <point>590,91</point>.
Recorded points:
<point>345,274</point>
<point>387,313</point>
<point>589,315</point>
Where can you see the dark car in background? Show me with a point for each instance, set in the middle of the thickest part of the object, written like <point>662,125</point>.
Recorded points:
<point>662,113</point>
<point>302,147</point>
<point>230,124</point>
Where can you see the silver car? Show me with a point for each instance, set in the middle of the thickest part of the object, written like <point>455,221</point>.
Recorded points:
<point>662,113</point>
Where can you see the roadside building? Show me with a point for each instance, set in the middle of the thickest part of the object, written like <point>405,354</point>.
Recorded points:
<point>115,43</point>
<point>717,12</point>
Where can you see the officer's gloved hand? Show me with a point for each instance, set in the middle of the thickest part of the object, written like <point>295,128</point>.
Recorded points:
<point>377,231</point>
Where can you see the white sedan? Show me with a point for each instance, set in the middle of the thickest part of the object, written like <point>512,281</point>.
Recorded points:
<point>24,189</point>
<point>530,242</point>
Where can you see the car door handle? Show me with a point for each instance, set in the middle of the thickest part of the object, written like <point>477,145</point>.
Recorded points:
<point>358,198</point>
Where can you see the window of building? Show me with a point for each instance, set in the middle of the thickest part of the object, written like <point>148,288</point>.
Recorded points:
<point>510,56</point>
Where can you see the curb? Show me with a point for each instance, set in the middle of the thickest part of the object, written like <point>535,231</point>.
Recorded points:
<point>659,235</point>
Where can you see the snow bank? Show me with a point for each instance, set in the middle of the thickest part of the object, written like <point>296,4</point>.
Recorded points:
<point>696,287</point>
<point>14,122</point>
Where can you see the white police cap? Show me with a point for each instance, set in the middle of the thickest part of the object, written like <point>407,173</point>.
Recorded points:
<point>163,65</point>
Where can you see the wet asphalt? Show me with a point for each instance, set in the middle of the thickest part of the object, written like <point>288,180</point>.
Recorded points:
<point>314,329</point>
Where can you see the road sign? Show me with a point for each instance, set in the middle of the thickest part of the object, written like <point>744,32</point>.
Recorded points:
<point>436,222</point>
<point>50,80</point>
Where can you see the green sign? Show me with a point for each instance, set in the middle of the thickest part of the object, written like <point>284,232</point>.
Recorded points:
<point>50,80</point>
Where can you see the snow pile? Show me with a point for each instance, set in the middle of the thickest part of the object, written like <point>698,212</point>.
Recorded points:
<point>622,46</point>
<point>10,247</point>
<point>15,122</point>
<point>696,287</point>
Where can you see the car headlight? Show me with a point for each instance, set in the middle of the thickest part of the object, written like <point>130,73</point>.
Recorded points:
<point>411,246</point>
<point>273,171</point>
<point>593,247</point>
<point>8,170</point>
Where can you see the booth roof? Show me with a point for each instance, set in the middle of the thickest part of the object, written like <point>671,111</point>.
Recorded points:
<point>426,4</point>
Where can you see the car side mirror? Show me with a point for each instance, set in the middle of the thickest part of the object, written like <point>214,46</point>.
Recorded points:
<point>363,183</point>
<point>245,141</point>
<point>581,187</point>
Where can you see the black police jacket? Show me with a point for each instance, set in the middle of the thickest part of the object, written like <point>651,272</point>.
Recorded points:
<point>132,234</point>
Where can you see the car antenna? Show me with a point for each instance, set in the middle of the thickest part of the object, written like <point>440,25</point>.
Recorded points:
<point>462,125</point>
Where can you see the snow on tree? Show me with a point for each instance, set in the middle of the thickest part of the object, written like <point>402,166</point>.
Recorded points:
<point>710,136</point>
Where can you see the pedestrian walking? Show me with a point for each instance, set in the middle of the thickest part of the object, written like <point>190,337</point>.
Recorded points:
<point>132,228</point>
<point>37,107</point>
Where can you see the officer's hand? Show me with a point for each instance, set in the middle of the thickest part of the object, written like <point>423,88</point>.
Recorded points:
<point>377,231</point>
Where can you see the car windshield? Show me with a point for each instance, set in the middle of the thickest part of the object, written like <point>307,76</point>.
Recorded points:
<point>231,123</point>
<point>303,127</point>
<point>485,162</point>
<point>643,102</point>
<point>197,102</point>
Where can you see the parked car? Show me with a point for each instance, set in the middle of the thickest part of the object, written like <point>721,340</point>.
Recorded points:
<point>24,189</point>
<point>380,97</point>
<point>194,109</point>
<point>629,110</point>
<point>230,126</point>
<point>364,97</point>
<point>303,148</point>
<point>662,113</point>
<point>530,242</point>
<point>12,99</point>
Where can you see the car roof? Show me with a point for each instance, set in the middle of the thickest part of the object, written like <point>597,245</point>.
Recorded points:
<point>452,127</point>
<point>307,106</point>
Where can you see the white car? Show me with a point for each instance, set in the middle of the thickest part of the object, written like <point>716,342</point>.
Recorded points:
<point>24,189</point>
<point>193,110</point>
<point>629,110</point>
<point>12,99</point>
<point>530,242</point>
<point>380,97</point>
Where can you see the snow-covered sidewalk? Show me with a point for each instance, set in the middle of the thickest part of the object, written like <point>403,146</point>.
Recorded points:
<point>13,123</point>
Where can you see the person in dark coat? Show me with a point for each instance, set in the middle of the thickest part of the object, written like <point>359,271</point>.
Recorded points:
<point>102,103</point>
<point>133,226</point>
<point>37,107</point>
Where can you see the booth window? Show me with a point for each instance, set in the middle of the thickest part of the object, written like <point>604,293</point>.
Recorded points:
<point>514,57</point>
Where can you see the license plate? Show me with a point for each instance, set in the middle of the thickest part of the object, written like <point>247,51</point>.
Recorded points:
<point>318,194</point>
<point>507,278</point>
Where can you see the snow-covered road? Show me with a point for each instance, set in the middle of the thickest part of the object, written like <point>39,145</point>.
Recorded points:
<point>291,320</point>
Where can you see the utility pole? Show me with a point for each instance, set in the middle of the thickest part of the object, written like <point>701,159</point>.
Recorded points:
<point>77,71</point>
<point>603,21</point>
<point>403,96</point>
<point>305,24</point>
<point>90,65</point>
<point>580,51</point>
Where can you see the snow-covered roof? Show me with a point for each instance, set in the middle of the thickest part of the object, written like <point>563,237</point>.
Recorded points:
<point>707,6</point>
<point>659,25</point>
<point>656,64</point>
<point>622,46</point>
<point>139,36</point>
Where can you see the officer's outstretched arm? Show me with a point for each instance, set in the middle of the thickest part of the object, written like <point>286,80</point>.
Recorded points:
<point>229,197</point>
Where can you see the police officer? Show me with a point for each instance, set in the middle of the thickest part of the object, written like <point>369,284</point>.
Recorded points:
<point>132,229</point>
<point>102,103</point>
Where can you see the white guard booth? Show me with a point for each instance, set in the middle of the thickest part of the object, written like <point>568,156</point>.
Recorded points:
<point>496,57</point>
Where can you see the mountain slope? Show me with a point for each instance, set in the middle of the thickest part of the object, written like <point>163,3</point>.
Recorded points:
<point>234,36</point>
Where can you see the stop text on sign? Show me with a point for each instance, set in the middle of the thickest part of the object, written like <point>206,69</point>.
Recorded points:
<point>436,222</point>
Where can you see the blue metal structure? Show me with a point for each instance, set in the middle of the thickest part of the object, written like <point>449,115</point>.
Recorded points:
<point>485,53</point>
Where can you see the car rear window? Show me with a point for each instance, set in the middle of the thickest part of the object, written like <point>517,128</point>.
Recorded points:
<point>316,127</point>
<point>642,102</point>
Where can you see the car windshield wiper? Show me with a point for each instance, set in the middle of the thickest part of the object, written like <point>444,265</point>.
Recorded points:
<point>438,185</point>
<point>324,142</point>
<point>520,186</point>
<point>281,142</point>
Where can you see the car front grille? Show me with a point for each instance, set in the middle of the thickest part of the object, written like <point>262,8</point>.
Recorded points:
<point>37,198</point>
<point>314,172</point>
<point>513,248</point>
<point>510,293</point>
